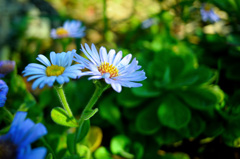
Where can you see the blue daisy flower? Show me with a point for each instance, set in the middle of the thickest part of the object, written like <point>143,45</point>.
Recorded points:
<point>16,144</point>
<point>59,69</point>
<point>111,67</point>
<point>3,92</point>
<point>72,29</point>
<point>208,14</point>
<point>6,67</point>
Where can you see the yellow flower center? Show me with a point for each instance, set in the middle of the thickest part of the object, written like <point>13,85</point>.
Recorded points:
<point>62,32</point>
<point>54,70</point>
<point>106,68</point>
<point>207,7</point>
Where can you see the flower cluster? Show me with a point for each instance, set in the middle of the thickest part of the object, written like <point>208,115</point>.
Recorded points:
<point>58,69</point>
<point>111,67</point>
<point>17,142</point>
<point>72,29</point>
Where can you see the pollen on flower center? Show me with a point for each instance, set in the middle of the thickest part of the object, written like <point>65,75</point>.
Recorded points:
<point>106,68</point>
<point>61,32</point>
<point>54,70</point>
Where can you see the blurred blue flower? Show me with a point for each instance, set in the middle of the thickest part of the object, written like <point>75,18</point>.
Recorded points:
<point>208,14</point>
<point>148,23</point>
<point>116,71</point>
<point>16,144</point>
<point>3,92</point>
<point>73,29</point>
<point>6,67</point>
<point>59,69</point>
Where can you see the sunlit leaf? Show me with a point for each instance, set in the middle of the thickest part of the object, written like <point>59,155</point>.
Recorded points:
<point>83,151</point>
<point>101,153</point>
<point>119,145</point>
<point>61,117</point>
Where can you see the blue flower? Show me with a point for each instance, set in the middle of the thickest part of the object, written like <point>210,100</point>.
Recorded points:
<point>111,67</point>
<point>3,92</point>
<point>148,23</point>
<point>16,144</point>
<point>208,14</point>
<point>59,69</point>
<point>6,67</point>
<point>73,29</point>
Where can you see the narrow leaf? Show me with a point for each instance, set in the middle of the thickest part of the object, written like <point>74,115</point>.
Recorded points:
<point>87,115</point>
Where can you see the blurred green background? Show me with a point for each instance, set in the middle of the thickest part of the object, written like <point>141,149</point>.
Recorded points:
<point>189,105</point>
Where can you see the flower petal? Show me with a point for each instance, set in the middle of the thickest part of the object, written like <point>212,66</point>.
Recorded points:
<point>103,54</point>
<point>116,86</point>
<point>43,60</point>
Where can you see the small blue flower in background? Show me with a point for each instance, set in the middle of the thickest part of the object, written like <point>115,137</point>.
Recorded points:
<point>208,14</point>
<point>72,29</point>
<point>3,92</point>
<point>116,71</point>
<point>148,23</point>
<point>16,144</point>
<point>6,67</point>
<point>59,69</point>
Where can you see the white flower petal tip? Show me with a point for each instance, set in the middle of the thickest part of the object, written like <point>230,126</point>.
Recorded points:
<point>110,66</point>
<point>58,69</point>
<point>71,29</point>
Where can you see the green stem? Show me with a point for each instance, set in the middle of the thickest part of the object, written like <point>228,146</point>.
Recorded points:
<point>64,42</point>
<point>100,88</point>
<point>49,148</point>
<point>105,20</point>
<point>63,100</point>
<point>7,114</point>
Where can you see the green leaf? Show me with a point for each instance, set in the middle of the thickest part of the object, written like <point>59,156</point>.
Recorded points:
<point>147,120</point>
<point>146,90</point>
<point>49,156</point>
<point>204,75</point>
<point>167,136</point>
<point>73,157</point>
<point>138,150</point>
<point>83,151</point>
<point>119,145</point>
<point>195,127</point>
<point>109,111</point>
<point>101,153</point>
<point>233,40</point>
<point>70,143</point>
<point>206,97</point>
<point>166,76</point>
<point>173,113</point>
<point>88,114</point>
<point>233,72</point>
<point>176,64</point>
<point>60,116</point>
<point>213,128</point>
<point>177,155</point>
<point>128,99</point>
<point>84,130</point>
